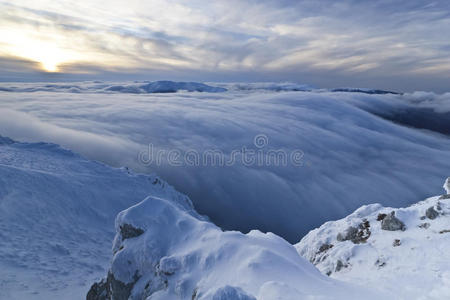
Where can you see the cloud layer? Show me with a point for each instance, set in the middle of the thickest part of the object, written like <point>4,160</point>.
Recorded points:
<point>351,155</point>
<point>381,44</point>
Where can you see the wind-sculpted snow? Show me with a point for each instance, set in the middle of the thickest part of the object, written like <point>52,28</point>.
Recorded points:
<point>177,256</point>
<point>351,155</point>
<point>56,214</point>
<point>411,261</point>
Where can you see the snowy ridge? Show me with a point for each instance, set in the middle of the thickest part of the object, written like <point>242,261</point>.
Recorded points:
<point>364,91</point>
<point>162,252</point>
<point>266,86</point>
<point>403,252</point>
<point>145,87</point>
<point>57,210</point>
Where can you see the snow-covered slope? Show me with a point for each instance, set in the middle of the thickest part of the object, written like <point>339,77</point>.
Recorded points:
<point>57,211</point>
<point>403,252</point>
<point>163,252</point>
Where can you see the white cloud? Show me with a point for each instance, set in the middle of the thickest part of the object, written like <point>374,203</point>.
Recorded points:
<point>351,156</point>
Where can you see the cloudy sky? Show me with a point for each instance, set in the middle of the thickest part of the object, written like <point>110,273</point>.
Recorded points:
<point>400,45</point>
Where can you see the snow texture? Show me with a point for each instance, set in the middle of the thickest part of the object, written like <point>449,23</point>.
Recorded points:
<point>413,263</point>
<point>179,256</point>
<point>57,210</point>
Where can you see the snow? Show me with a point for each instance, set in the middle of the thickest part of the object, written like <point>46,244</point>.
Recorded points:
<point>266,87</point>
<point>179,256</point>
<point>355,150</point>
<point>56,216</point>
<point>447,185</point>
<point>144,87</point>
<point>409,264</point>
<point>57,211</point>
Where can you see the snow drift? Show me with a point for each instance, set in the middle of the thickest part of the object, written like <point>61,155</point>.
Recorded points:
<point>402,252</point>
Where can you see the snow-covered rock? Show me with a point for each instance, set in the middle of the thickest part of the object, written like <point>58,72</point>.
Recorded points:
<point>176,255</point>
<point>142,87</point>
<point>57,211</point>
<point>405,254</point>
<point>267,86</point>
<point>165,87</point>
<point>447,185</point>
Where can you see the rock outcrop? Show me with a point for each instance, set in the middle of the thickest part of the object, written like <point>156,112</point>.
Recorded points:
<point>392,223</point>
<point>403,256</point>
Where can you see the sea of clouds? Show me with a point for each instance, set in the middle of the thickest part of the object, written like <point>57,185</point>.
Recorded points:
<point>351,148</point>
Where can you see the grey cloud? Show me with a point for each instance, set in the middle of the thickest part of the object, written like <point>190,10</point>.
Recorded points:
<point>382,43</point>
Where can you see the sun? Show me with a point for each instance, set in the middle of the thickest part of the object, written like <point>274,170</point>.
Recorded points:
<point>48,54</point>
<point>49,66</point>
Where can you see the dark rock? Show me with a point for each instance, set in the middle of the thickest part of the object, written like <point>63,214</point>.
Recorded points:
<point>380,217</point>
<point>365,91</point>
<point>356,235</point>
<point>324,248</point>
<point>396,243</point>
<point>392,223</point>
<point>97,291</point>
<point>380,263</point>
<point>128,231</point>
<point>339,265</point>
<point>424,225</point>
<point>423,217</point>
<point>106,289</point>
<point>120,290</point>
<point>444,231</point>
<point>431,213</point>
<point>350,233</point>
<point>443,197</point>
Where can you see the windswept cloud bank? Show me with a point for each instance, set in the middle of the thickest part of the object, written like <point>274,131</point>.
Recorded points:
<point>383,44</point>
<point>350,156</point>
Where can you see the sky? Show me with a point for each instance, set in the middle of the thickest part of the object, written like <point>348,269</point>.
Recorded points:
<point>387,44</point>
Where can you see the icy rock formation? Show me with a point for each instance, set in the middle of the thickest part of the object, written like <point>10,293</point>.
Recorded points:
<point>172,254</point>
<point>404,256</point>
